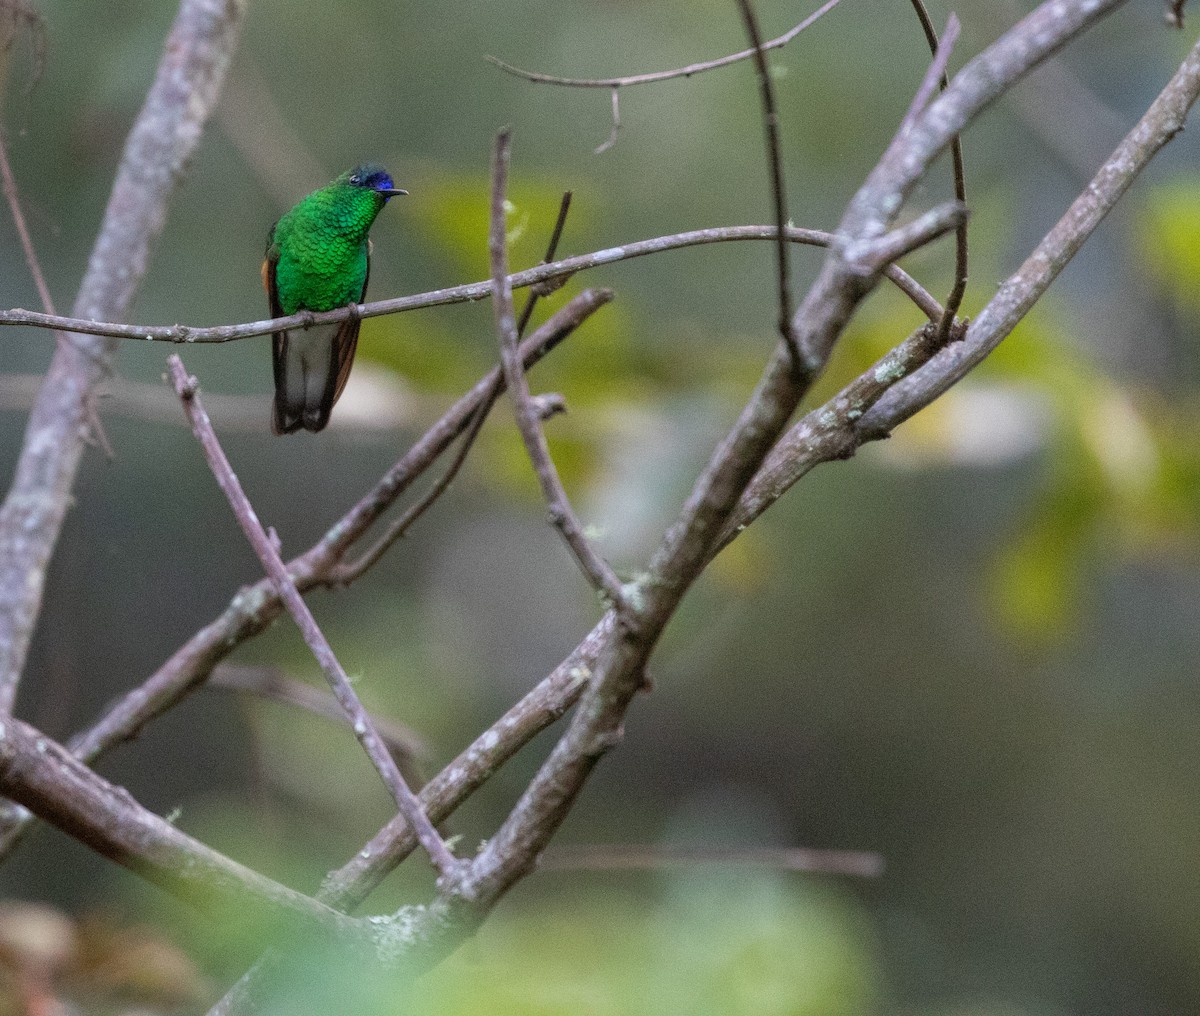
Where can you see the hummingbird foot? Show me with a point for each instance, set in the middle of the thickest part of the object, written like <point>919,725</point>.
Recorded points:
<point>307,320</point>
<point>352,312</point>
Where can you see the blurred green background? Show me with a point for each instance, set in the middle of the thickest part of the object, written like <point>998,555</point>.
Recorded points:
<point>971,649</point>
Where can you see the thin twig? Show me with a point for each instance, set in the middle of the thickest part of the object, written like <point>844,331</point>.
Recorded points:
<point>633,857</point>
<point>345,573</point>
<point>597,570</point>
<point>455,294</point>
<point>679,72</point>
<point>274,685</point>
<point>364,729</point>
<point>778,187</point>
<point>934,77</point>
<point>34,264</point>
<point>535,292</point>
<point>615,130</point>
<point>961,253</point>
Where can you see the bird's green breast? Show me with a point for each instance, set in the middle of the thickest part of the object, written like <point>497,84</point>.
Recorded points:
<point>322,245</point>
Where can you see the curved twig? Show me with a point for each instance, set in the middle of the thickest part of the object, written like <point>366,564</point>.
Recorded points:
<point>961,255</point>
<point>679,72</point>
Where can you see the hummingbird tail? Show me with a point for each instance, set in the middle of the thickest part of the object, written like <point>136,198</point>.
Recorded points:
<point>311,368</point>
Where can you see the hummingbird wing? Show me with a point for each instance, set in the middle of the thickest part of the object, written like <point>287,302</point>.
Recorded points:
<point>346,343</point>
<point>288,410</point>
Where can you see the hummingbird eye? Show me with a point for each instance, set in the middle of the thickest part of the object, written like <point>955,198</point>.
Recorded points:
<point>356,179</point>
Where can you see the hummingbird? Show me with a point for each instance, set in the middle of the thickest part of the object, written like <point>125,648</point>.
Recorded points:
<point>319,258</point>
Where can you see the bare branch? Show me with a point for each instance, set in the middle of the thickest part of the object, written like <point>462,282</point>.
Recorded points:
<point>14,206</point>
<point>546,703</point>
<point>679,72</point>
<point>469,293</point>
<point>877,402</point>
<point>597,570</point>
<point>961,250</point>
<point>364,728</point>
<point>44,777</point>
<point>866,257</point>
<point>541,707</point>
<point>184,92</point>
<point>775,170</point>
<point>615,130</point>
<point>935,76</point>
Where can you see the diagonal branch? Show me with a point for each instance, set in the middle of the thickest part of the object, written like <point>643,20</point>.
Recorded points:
<point>44,777</point>
<point>364,727</point>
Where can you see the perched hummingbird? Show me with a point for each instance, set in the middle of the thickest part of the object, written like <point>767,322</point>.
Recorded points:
<point>319,258</point>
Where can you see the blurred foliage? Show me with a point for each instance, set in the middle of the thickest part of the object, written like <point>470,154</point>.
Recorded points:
<point>705,941</point>
<point>1168,224</point>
